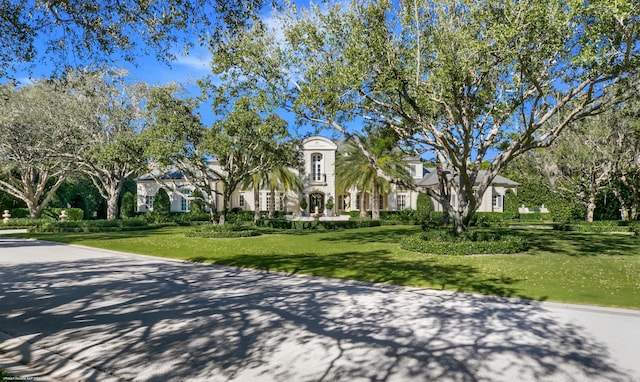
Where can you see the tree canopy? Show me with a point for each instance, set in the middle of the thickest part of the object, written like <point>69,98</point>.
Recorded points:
<point>460,80</point>
<point>40,133</point>
<point>57,30</point>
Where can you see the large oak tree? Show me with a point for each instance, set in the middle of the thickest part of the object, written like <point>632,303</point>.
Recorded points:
<point>40,134</point>
<point>465,81</point>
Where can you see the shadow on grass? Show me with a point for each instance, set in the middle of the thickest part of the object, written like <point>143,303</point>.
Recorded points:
<point>580,244</point>
<point>379,266</point>
<point>375,235</point>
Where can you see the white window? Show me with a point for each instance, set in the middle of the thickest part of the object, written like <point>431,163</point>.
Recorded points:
<point>497,202</point>
<point>148,201</point>
<point>401,202</point>
<point>454,200</point>
<point>241,201</point>
<point>268,198</point>
<point>185,203</point>
<point>316,167</point>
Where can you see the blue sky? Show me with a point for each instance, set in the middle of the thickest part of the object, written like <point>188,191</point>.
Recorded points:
<point>185,70</point>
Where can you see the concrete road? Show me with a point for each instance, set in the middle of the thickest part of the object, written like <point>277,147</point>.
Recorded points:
<point>73,313</point>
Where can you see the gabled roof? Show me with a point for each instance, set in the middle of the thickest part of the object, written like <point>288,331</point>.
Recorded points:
<point>431,179</point>
<point>173,175</point>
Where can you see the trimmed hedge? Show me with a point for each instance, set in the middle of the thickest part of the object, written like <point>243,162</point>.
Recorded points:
<point>488,219</point>
<point>91,226</point>
<point>317,225</point>
<point>73,214</point>
<point>222,231</point>
<point>470,243</point>
<point>599,226</point>
<point>534,217</point>
<point>22,223</point>
<point>407,216</point>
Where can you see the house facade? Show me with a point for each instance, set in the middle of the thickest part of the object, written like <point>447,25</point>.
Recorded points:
<point>319,179</point>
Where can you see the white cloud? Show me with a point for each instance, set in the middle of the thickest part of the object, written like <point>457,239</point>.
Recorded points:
<point>195,61</point>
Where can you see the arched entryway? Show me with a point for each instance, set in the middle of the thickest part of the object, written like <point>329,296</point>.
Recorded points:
<point>316,200</point>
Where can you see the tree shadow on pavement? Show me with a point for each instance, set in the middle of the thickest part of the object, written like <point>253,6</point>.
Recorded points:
<point>151,320</point>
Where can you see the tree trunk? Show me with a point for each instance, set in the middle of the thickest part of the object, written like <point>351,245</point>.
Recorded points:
<point>256,203</point>
<point>375,210</point>
<point>634,203</point>
<point>445,195</point>
<point>591,205</point>
<point>226,197</point>
<point>272,205</point>
<point>112,201</point>
<point>34,213</point>
<point>624,209</point>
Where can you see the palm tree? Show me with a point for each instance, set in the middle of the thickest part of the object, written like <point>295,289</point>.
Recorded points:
<point>255,181</point>
<point>353,169</point>
<point>282,178</point>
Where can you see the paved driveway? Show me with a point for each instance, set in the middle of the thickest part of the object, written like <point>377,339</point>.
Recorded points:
<point>87,314</point>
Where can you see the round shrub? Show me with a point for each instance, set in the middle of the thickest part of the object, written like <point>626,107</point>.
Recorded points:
<point>470,243</point>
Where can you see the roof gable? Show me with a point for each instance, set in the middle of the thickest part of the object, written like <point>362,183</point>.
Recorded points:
<point>431,179</point>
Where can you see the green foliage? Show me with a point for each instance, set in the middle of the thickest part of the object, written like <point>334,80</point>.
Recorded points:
<point>128,206</point>
<point>320,225</point>
<point>534,192</point>
<point>109,30</point>
<point>197,203</point>
<point>470,61</point>
<point>8,202</point>
<point>488,219</point>
<point>597,226</point>
<point>470,243</point>
<point>424,207</point>
<point>90,226</point>
<point>19,213</point>
<point>23,223</point>
<point>223,231</point>
<point>511,200</point>
<point>534,217</point>
<point>330,203</point>
<point>73,214</point>
<point>162,204</point>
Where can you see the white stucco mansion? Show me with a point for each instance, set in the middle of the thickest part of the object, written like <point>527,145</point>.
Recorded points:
<point>319,180</point>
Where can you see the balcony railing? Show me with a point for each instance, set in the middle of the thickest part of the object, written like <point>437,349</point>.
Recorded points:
<point>317,178</point>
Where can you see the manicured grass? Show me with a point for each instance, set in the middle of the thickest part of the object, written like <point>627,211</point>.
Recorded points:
<point>588,268</point>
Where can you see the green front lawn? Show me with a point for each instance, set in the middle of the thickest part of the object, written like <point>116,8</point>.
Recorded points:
<point>588,268</point>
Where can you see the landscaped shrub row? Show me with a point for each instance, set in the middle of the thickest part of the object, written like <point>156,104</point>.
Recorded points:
<point>598,226</point>
<point>91,226</point>
<point>407,216</point>
<point>73,214</point>
<point>222,231</point>
<point>22,223</point>
<point>533,217</point>
<point>317,225</point>
<point>472,243</point>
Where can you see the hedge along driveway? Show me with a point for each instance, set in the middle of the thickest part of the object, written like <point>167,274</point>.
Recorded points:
<point>586,268</point>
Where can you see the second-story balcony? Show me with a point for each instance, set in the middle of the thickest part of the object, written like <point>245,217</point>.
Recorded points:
<point>317,179</point>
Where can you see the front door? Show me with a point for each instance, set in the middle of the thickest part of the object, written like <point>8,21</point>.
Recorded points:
<point>316,200</point>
